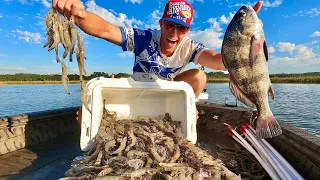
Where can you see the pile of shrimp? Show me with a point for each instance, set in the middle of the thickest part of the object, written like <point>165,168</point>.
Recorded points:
<point>145,148</point>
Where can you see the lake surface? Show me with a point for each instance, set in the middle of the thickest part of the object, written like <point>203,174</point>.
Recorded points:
<point>296,104</point>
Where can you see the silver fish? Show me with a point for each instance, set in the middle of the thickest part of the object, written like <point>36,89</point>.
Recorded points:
<point>245,55</point>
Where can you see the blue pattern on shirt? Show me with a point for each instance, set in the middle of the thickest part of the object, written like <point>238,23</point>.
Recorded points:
<point>147,53</point>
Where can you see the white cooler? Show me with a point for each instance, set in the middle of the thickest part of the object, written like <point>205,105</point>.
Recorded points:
<point>140,95</point>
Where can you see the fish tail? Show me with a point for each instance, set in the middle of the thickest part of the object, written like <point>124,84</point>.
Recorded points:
<point>267,127</point>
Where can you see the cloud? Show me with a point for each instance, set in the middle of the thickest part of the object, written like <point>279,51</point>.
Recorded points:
<point>240,4</point>
<point>6,68</point>
<point>312,13</point>
<point>134,1</point>
<point>271,49</point>
<point>126,54</point>
<point>31,2</point>
<point>0,16</point>
<point>286,47</point>
<point>210,37</point>
<point>46,3</point>
<point>226,20</point>
<point>192,1</point>
<point>275,3</point>
<point>285,16</point>
<point>28,2</point>
<point>266,3</point>
<point>315,34</point>
<point>1,54</point>
<point>118,19</point>
<point>299,55</point>
<point>29,36</point>
<point>154,18</point>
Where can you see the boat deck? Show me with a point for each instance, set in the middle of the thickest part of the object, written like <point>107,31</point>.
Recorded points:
<point>49,160</point>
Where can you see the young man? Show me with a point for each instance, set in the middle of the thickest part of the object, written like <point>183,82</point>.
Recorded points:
<point>164,53</point>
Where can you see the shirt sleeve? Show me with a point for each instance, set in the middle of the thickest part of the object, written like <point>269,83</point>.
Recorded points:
<point>196,49</point>
<point>134,39</point>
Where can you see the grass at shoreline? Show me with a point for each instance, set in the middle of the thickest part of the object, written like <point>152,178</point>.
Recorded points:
<point>298,80</point>
<point>37,82</point>
<point>302,80</point>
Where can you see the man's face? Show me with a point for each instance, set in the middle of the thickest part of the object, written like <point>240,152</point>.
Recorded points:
<point>171,35</point>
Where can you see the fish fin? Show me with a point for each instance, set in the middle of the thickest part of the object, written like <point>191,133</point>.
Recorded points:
<point>265,50</point>
<point>271,92</point>
<point>267,127</point>
<point>239,94</point>
<point>254,50</point>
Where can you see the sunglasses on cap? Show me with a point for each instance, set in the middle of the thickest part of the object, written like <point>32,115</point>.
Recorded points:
<point>169,26</point>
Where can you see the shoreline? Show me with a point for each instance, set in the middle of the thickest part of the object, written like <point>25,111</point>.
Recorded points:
<point>277,80</point>
<point>35,82</point>
<point>218,81</point>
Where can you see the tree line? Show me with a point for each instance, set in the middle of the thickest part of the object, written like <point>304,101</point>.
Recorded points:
<point>216,77</point>
<point>55,77</point>
<point>301,78</point>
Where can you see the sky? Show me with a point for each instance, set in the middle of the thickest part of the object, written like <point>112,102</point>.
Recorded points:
<point>292,30</point>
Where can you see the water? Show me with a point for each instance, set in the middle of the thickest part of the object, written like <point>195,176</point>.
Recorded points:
<point>296,104</point>
<point>18,99</point>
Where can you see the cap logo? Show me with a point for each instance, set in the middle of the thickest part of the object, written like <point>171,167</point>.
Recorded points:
<point>179,12</point>
<point>175,7</point>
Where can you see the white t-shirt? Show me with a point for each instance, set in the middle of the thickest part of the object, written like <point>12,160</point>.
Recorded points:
<point>145,44</point>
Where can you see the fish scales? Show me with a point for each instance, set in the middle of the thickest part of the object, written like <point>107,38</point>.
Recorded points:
<point>245,55</point>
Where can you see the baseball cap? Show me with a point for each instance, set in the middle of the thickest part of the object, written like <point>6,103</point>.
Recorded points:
<point>178,11</point>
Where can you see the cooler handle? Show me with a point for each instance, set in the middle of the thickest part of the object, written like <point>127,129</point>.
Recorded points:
<point>144,77</point>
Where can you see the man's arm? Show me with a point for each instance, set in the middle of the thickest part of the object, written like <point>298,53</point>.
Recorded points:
<point>88,22</point>
<point>211,59</point>
<point>98,27</point>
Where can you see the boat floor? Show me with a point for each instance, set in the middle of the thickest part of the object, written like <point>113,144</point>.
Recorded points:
<point>49,160</point>
<point>52,159</point>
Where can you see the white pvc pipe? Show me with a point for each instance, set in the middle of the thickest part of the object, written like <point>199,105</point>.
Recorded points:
<point>259,151</point>
<point>277,166</point>
<point>270,171</point>
<point>279,156</point>
<point>285,168</point>
<point>240,142</point>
